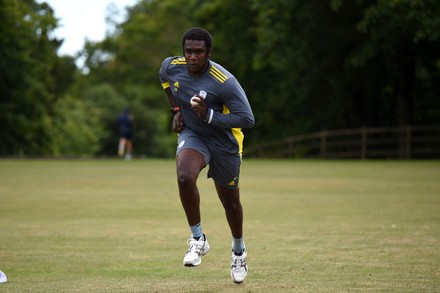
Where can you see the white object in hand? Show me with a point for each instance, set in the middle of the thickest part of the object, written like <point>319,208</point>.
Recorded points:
<point>195,100</point>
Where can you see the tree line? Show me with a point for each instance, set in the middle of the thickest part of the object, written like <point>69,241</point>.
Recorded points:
<point>305,65</point>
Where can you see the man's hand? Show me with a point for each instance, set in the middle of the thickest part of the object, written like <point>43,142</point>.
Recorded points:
<point>201,109</point>
<point>178,125</point>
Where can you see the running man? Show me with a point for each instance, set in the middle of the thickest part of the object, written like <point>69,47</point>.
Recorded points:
<point>209,133</point>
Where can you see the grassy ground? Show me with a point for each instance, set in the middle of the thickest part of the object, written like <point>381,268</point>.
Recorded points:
<point>310,226</point>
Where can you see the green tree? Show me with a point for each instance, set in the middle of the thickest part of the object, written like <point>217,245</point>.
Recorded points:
<point>129,59</point>
<point>76,128</point>
<point>63,72</point>
<point>340,64</point>
<point>305,65</point>
<point>235,51</point>
<point>304,45</point>
<point>404,36</point>
<point>26,58</point>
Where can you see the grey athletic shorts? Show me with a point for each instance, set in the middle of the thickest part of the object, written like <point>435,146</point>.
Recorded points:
<point>224,169</point>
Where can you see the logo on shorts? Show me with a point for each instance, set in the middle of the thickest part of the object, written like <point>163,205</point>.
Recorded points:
<point>181,144</point>
<point>234,182</point>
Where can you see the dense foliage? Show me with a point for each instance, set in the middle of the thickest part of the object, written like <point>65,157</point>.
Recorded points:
<point>305,65</point>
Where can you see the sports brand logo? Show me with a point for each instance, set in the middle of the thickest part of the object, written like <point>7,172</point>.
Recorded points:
<point>234,182</point>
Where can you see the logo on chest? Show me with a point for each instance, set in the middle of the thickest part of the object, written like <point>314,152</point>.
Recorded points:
<point>176,86</point>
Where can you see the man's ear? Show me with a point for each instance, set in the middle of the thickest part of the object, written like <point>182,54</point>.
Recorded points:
<point>209,53</point>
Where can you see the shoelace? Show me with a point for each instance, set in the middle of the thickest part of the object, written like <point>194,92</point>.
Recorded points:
<point>194,246</point>
<point>238,263</point>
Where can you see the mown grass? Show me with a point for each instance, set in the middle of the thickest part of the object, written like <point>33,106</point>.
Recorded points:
<point>310,226</point>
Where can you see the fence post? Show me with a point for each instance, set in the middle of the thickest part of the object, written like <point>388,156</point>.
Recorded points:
<point>404,139</point>
<point>363,143</point>
<point>323,144</point>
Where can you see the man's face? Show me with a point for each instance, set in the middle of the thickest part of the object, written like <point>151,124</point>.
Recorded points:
<point>196,56</point>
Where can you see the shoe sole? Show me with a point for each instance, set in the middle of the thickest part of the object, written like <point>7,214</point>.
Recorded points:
<point>238,282</point>
<point>190,265</point>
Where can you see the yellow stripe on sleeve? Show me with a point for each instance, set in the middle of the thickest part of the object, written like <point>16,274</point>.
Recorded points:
<point>220,76</point>
<point>179,61</point>
<point>165,85</point>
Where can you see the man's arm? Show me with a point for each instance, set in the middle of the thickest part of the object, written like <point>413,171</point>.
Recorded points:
<point>170,96</point>
<point>239,112</point>
<point>177,124</point>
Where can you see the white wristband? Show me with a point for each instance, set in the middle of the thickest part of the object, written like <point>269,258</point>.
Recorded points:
<point>211,115</point>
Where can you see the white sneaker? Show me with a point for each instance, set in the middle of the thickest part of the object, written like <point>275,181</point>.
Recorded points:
<point>196,249</point>
<point>239,268</point>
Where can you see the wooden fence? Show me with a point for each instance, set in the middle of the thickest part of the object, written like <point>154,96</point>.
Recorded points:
<point>411,142</point>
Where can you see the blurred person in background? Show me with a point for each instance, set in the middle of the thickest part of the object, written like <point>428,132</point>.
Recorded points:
<point>125,122</point>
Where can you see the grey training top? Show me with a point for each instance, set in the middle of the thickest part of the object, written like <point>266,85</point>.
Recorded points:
<point>228,106</point>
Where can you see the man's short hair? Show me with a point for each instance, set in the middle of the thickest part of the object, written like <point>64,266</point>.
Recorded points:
<point>198,34</point>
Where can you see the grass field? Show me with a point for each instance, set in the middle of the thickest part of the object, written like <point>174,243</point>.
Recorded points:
<point>310,226</point>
